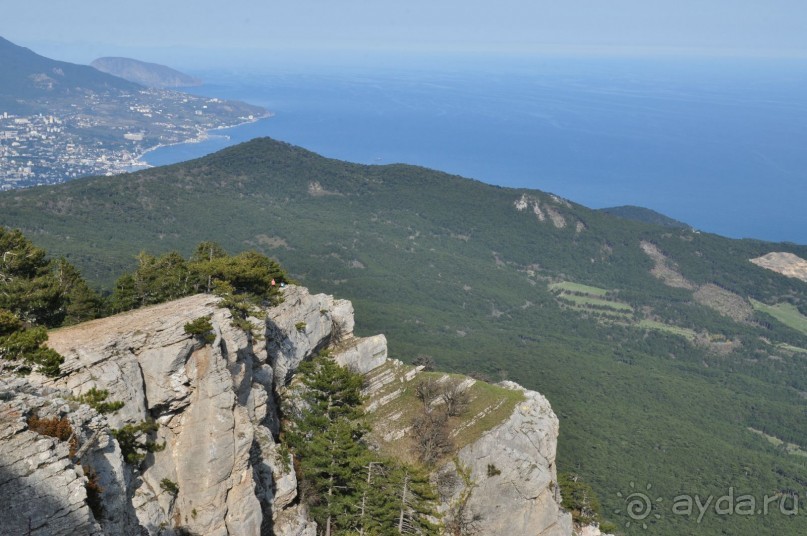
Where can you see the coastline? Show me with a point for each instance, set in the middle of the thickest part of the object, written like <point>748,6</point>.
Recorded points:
<point>138,163</point>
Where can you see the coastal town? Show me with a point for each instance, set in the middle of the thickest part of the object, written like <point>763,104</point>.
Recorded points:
<point>66,139</point>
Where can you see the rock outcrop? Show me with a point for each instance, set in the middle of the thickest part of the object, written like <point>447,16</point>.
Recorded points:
<point>42,482</point>
<point>218,468</point>
<point>215,405</point>
<point>42,491</point>
<point>787,264</point>
<point>506,480</point>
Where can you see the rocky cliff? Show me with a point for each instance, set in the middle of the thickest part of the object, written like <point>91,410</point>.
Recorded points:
<point>515,463</point>
<point>216,466</point>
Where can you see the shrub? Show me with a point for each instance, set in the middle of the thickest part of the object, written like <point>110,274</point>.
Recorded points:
<point>169,486</point>
<point>606,527</point>
<point>300,326</point>
<point>426,361</point>
<point>432,440</point>
<point>202,329</point>
<point>133,445</point>
<point>96,399</point>
<point>456,397</point>
<point>578,497</point>
<point>26,346</point>
<point>241,306</point>
<point>426,391</point>
<point>55,427</point>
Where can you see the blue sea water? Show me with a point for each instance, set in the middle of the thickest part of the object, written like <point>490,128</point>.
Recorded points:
<point>719,144</point>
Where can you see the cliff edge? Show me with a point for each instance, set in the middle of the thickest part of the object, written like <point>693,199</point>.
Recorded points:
<point>214,464</point>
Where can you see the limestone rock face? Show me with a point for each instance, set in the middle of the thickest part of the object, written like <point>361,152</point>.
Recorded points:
<point>138,356</point>
<point>512,476</point>
<point>589,530</point>
<point>216,409</point>
<point>302,325</point>
<point>221,470</point>
<point>362,355</point>
<point>41,486</point>
<point>215,405</point>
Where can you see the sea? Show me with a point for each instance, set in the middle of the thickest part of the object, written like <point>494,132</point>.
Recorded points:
<point>718,143</point>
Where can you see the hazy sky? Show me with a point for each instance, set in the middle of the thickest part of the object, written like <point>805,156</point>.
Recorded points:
<point>100,27</point>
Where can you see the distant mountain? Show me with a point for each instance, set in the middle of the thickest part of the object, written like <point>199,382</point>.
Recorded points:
<point>26,76</point>
<point>670,358</point>
<point>144,73</point>
<point>644,215</point>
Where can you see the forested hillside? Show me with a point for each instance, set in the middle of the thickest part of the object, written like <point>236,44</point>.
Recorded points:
<point>670,359</point>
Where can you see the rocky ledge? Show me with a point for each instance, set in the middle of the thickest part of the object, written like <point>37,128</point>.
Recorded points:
<point>219,468</point>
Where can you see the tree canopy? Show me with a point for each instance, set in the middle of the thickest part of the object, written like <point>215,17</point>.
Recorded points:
<point>170,276</point>
<point>35,294</point>
<point>348,488</point>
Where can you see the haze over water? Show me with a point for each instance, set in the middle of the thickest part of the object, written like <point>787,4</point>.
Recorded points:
<point>718,144</point>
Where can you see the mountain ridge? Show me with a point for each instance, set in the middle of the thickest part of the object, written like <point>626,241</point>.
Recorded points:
<point>144,73</point>
<point>644,215</point>
<point>26,73</point>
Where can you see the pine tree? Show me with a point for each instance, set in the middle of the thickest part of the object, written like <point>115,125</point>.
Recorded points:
<point>202,261</point>
<point>251,276</point>
<point>350,490</point>
<point>83,303</point>
<point>327,441</point>
<point>28,287</point>
<point>32,298</point>
<point>124,296</point>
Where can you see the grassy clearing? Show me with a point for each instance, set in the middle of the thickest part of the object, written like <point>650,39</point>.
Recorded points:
<point>785,313</point>
<point>490,405</point>
<point>675,330</point>
<point>589,302</point>
<point>791,348</point>
<point>790,448</point>
<point>568,286</point>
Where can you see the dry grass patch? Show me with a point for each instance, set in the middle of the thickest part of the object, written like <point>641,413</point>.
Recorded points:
<point>395,406</point>
<point>664,268</point>
<point>724,302</point>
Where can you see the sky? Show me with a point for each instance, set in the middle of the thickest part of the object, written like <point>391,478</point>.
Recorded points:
<point>80,31</point>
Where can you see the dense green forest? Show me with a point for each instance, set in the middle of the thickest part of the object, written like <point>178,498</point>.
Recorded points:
<point>643,337</point>
<point>644,215</point>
